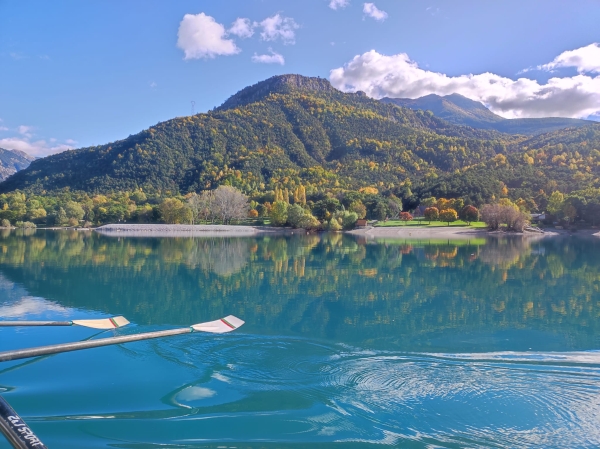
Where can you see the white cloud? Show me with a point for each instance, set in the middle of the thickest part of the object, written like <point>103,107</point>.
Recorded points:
<point>397,76</point>
<point>278,27</point>
<point>273,58</point>
<point>38,148</point>
<point>584,59</point>
<point>200,36</point>
<point>152,84</point>
<point>71,142</point>
<point>3,128</point>
<point>372,11</point>
<point>242,28</point>
<point>335,4</point>
<point>25,130</point>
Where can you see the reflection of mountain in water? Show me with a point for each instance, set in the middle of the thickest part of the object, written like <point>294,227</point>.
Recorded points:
<point>330,286</point>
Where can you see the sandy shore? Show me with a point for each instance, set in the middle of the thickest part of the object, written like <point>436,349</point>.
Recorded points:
<point>458,233</point>
<point>412,232</point>
<point>166,230</point>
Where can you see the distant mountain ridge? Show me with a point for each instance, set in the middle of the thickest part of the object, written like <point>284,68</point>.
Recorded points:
<point>291,130</point>
<point>287,129</point>
<point>461,110</point>
<point>12,161</point>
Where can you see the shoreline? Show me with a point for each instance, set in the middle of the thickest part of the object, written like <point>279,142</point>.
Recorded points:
<point>170,230</point>
<point>460,233</point>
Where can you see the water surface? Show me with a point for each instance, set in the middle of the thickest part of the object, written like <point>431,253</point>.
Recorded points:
<point>348,343</point>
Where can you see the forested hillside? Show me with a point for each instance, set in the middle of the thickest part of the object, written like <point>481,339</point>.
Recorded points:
<point>567,160</point>
<point>292,134</point>
<point>283,131</point>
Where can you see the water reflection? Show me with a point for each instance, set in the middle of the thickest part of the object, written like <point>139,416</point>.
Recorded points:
<point>401,294</point>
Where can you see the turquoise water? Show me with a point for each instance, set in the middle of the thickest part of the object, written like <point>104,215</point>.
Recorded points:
<point>347,343</point>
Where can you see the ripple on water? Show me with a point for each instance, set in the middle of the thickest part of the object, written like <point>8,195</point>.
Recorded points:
<point>495,399</point>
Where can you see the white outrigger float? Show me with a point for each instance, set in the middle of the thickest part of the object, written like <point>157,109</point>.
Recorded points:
<point>16,431</point>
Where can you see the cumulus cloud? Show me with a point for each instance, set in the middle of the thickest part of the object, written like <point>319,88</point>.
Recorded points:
<point>242,28</point>
<point>584,59</point>
<point>200,36</point>
<point>3,128</point>
<point>38,148</point>
<point>336,4</point>
<point>372,11</point>
<point>277,27</point>
<point>272,58</point>
<point>397,76</point>
<point>25,130</point>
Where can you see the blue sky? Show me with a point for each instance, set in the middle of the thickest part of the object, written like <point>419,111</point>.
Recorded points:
<point>80,73</point>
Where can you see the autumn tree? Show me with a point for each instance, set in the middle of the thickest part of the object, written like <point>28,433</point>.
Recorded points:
<point>431,213</point>
<point>406,216</point>
<point>448,215</point>
<point>470,213</point>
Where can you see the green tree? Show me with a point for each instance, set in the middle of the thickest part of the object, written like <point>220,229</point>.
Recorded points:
<point>74,210</point>
<point>279,213</point>
<point>555,204</point>
<point>173,211</point>
<point>358,208</point>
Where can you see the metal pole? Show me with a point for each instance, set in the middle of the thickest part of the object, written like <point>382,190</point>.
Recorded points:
<point>16,431</point>
<point>67,347</point>
<point>36,323</point>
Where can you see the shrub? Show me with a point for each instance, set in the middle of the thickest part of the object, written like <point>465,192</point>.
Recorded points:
<point>25,224</point>
<point>5,223</point>
<point>334,225</point>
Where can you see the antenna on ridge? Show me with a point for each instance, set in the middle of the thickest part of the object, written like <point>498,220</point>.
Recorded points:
<point>193,107</point>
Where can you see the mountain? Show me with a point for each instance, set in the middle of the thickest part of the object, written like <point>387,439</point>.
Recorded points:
<point>12,161</point>
<point>282,131</point>
<point>463,111</point>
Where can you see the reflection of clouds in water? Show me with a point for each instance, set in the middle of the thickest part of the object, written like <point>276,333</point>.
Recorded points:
<point>30,305</point>
<point>195,393</point>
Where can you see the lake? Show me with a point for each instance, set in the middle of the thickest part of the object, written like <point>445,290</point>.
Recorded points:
<point>348,343</point>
